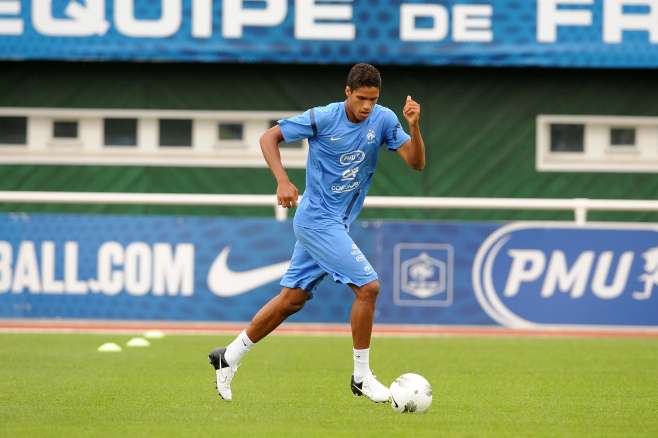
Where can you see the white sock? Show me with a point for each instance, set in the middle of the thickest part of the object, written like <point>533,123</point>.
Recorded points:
<point>361,364</point>
<point>238,348</point>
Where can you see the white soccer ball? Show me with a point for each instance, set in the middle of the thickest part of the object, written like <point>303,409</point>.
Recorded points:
<point>411,393</point>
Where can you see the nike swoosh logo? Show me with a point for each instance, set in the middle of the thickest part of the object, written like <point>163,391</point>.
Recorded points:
<point>226,283</point>
<point>336,138</point>
<point>394,402</point>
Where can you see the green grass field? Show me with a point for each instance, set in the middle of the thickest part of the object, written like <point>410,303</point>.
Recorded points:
<point>59,385</point>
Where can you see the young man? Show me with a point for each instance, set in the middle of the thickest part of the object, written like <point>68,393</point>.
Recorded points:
<point>344,140</point>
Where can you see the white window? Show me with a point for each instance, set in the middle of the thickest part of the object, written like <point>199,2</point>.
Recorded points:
<point>65,129</point>
<point>623,138</point>
<point>119,132</point>
<point>140,137</point>
<point>175,132</point>
<point>65,135</point>
<point>13,131</point>
<point>230,135</point>
<point>567,143</point>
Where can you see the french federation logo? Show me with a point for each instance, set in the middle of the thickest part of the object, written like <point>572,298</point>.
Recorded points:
<point>423,274</point>
<point>371,136</point>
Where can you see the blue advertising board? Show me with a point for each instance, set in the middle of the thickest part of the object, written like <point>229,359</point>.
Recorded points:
<point>523,275</point>
<point>564,33</point>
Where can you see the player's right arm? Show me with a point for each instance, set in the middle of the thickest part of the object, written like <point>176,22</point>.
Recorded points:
<point>286,192</point>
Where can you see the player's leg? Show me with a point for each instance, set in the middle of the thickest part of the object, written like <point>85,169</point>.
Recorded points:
<point>298,283</point>
<point>271,315</point>
<point>336,253</point>
<point>363,313</point>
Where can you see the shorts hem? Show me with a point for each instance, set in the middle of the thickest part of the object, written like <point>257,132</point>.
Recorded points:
<point>363,282</point>
<point>307,287</point>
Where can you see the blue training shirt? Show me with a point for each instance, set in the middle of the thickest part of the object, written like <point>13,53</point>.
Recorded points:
<point>342,158</point>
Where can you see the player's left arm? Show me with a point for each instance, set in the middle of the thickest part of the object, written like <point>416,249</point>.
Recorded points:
<point>413,151</point>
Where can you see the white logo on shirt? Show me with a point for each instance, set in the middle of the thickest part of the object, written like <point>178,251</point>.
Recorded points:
<point>353,157</point>
<point>342,188</point>
<point>350,174</point>
<point>336,138</point>
<point>371,136</point>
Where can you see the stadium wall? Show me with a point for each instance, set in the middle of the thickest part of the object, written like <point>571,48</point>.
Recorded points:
<point>478,124</point>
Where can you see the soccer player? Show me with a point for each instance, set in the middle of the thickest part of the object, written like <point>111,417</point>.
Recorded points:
<point>344,141</point>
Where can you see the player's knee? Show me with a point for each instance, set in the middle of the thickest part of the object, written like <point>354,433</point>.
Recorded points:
<point>293,300</point>
<point>294,307</point>
<point>369,291</point>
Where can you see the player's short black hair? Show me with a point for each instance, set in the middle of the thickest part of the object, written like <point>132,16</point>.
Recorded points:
<point>364,75</point>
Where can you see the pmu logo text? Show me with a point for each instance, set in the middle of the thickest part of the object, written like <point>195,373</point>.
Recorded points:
<point>527,274</point>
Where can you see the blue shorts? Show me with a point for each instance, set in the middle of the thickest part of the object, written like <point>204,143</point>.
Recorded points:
<point>327,251</point>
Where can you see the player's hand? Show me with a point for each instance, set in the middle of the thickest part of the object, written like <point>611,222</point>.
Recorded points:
<point>411,111</point>
<point>287,194</point>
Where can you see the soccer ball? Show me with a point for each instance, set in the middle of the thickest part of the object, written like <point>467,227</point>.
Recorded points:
<point>411,393</point>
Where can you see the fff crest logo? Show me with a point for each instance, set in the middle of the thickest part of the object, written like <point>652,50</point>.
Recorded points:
<point>423,274</point>
<point>371,136</point>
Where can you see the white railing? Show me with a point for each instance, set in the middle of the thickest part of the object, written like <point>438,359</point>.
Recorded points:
<point>579,206</point>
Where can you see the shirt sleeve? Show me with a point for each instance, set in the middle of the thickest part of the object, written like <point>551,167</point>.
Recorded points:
<point>394,135</point>
<point>299,127</point>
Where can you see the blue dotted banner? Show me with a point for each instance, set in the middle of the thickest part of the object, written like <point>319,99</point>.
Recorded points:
<point>561,33</point>
<point>526,275</point>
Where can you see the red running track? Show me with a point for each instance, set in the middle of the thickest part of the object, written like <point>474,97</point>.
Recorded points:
<point>171,327</point>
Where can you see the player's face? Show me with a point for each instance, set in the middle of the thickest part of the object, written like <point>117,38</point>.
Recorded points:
<point>360,102</point>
